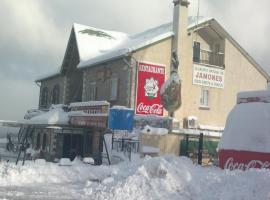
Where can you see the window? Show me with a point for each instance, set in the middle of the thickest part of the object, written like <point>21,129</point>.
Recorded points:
<point>204,98</point>
<point>44,97</point>
<point>56,95</point>
<point>92,91</point>
<point>38,141</point>
<point>114,89</point>
<point>44,141</point>
<point>196,51</point>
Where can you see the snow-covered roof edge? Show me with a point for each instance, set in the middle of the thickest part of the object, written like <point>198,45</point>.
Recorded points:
<point>118,53</point>
<point>89,103</point>
<point>49,76</point>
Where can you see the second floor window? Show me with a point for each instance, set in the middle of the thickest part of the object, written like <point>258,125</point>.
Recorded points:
<point>114,89</point>
<point>204,101</point>
<point>44,97</point>
<point>196,51</point>
<point>92,91</point>
<point>56,95</point>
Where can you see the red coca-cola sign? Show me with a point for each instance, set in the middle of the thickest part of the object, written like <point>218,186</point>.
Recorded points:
<point>149,81</point>
<point>243,160</point>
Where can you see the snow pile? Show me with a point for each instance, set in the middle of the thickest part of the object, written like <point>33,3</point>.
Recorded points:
<point>148,130</point>
<point>32,113</point>
<point>166,177</point>
<point>54,116</point>
<point>88,160</point>
<point>177,178</point>
<point>248,128</point>
<point>65,162</point>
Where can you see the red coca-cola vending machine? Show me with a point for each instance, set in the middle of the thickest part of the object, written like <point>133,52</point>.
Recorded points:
<point>245,142</point>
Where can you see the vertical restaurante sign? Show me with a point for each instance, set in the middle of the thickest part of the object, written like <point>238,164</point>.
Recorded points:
<point>208,76</point>
<point>149,81</point>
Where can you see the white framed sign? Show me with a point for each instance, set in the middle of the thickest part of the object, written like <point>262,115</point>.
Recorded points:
<point>208,76</point>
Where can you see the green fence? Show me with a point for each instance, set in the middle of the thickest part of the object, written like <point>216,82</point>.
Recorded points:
<point>189,146</point>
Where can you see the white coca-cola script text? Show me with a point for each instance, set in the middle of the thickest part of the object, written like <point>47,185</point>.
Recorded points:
<point>232,165</point>
<point>155,109</point>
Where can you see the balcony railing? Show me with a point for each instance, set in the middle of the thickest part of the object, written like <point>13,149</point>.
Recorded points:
<point>208,57</point>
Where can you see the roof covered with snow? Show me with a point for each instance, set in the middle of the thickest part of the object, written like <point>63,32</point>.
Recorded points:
<point>96,46</point>
<point>93,42</point>
<point>52,117</point>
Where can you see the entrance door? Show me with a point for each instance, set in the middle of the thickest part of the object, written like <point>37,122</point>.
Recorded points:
<point>72,146</point>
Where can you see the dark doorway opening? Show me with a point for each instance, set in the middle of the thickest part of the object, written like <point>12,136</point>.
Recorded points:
<point>72,146</point>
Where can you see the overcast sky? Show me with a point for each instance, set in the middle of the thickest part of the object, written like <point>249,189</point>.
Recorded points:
<point>34,35</point>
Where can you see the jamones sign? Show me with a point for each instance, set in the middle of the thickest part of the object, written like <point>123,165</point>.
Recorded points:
<point>149,81</point>
<point>208,76</point>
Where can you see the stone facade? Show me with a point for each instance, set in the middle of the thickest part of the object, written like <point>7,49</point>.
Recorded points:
<point>108,81</point>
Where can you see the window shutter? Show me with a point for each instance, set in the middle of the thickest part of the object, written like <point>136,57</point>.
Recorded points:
<point>114,89</point>
<point>196,51</point>
<point>204,97</point>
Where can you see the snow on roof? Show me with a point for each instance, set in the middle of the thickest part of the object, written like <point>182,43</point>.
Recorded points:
<point>131,43</point>
<point>51,74</point>
<point>121,108</point>
<point>54,116</point>
<point>140,40</point>
<point>92,42</point>
<point>83,114</point>
<point>89,103</point>
<point>98,45</point>
<point>247,128</point>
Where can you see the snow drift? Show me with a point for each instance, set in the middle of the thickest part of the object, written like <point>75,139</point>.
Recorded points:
<point>166,177</point>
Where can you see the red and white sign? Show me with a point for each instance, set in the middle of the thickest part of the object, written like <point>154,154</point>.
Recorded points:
<point>243,160</point>
<point>208,76</point>
<point>149,81</point>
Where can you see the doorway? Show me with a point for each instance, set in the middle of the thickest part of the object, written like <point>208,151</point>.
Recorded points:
<point>72,146</point>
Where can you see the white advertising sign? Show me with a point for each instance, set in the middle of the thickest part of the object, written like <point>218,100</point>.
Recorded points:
<point>208,76</point>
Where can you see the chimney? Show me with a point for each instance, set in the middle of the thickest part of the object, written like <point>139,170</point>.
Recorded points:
<point>180,24</point>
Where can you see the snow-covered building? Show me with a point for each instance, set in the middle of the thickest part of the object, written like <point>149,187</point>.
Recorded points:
<point>104,65</point>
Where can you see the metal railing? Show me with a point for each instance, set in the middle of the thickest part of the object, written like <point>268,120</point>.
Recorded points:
<point>210,58</point>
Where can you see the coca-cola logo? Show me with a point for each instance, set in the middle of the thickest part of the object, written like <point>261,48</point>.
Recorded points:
<point>232,165</point>
<point>155,109</point>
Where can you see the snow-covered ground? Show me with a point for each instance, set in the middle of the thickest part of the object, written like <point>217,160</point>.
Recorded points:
<point>167,177</point>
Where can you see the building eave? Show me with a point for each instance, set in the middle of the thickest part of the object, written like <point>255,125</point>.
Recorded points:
<point>214,24</point>
<point>48,77</point>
